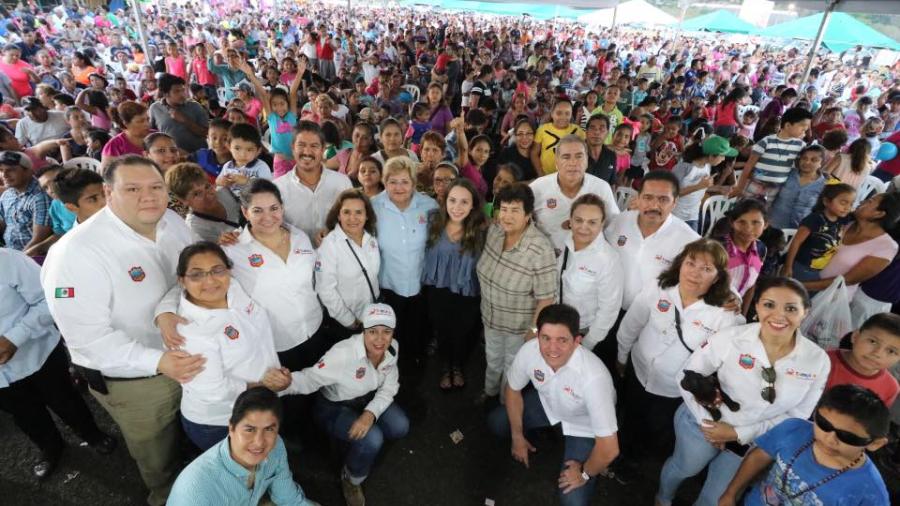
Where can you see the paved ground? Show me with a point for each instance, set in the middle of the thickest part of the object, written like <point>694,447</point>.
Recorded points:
<point>426,468</point>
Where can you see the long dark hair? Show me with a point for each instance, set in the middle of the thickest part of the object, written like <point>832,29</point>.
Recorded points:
<point>831,192</point>
<point>352,194</point>
<point>474,225</point>
<point>720,291</point>
<point>859,151</point>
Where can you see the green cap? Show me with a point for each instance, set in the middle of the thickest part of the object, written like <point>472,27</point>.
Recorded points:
<point>717,145</point>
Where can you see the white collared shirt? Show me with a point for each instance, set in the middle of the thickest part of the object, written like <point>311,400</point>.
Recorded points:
<point>592,283</point>
<point>103,281</point>
<point>738,355</point>
<point>649,333</point>
<point>305,208</point>
<point>345,373</point>
<point>644,258</point>
<point>551,206</point>
<point>238,347</point>
<point>285,289</point>
<point>340,282</point>
<point>580,394</point>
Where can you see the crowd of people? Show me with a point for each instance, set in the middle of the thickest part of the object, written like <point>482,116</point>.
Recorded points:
<point>231,230</point>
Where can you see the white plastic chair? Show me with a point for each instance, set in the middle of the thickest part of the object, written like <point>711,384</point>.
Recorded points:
<point>714,209</point>
<point>83,162</point>
<point>413,90</point>
<point>624,196</point>
<point>789,234</point>
<point>267,140</point>
<point>737,175</point>
<point>220,93</point>
<point>870,185</point>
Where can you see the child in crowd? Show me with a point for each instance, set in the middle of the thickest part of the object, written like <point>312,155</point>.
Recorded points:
<point>666,147</point>
<point>472,157</point>
<point>81,192</point>
<point>543,151</point>
<point>620,144</point>
<point>820,233</point>
<point>822,461</point>
<point>639,158</point>
<point>61,219</point>
<point>746,253</point>
<point>245,146</point>
<point>748,122</point>
<point>507,174</point>
<point>213,158</point>
<point>695,177</point>
<point>773,158</point>
<point>213,211</point>
<point>853,166</point>
<point>801,190</point>
<point>418,126</point>
<point>875,350</point>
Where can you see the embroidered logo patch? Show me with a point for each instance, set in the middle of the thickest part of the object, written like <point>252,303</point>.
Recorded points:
<point>318,267</point>
<point>137,274</point>
<point>321,364</point>
<point>360,373</point>
<point>539,375</point>
<point>422,219</point>
<point>747,361</point>
<point>663,305</point>
<point>551,203</point>
<point>256,260</point>
<point>232,333</point>
<point>64,292</point>
<point>622,240</point>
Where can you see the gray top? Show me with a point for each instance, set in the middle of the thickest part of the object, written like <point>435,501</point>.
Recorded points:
<point>209,228</point>
<point>162,120</point>
<point>29,132</point>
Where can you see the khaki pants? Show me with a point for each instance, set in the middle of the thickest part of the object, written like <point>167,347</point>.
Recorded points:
<point>500,349</point>
<point>146,412</point>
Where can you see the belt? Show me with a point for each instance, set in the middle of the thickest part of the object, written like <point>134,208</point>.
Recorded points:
<point>107,378</point>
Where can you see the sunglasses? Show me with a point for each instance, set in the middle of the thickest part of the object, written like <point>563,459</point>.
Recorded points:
<point>768,392</point>
<point>843,436</point>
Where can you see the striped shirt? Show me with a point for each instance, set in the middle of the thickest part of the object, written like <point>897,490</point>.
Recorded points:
<point>21,211</point>
<point>776,158</point>
<point>513,281</point>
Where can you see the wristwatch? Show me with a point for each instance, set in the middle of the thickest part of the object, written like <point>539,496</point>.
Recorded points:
<point>585,476</point>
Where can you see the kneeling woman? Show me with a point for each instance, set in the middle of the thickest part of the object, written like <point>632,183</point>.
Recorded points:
<point>358,378</point>
<point>227,328</point>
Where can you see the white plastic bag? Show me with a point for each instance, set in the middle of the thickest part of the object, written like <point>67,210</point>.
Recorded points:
<point>829,319</point>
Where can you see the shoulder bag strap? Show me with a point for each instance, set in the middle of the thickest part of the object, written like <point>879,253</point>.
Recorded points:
<point>364,271</point>
<point>678,329</point>
<point>562,271</point>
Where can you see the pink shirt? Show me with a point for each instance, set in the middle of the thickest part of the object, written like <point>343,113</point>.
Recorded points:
<point>473,174</point>
<point>846,257</point>
<point>120,145</point>
<point>175,66</point>
<point>204,76</point>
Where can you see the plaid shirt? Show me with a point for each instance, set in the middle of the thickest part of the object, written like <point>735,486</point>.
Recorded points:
<point>21,211</point>
<point>513,281</point>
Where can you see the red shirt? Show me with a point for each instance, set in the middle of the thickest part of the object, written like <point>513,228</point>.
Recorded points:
<point>882,383</point>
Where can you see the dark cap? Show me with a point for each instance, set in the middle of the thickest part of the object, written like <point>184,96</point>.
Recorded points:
<point>11,158</point>
<point>32,103</point>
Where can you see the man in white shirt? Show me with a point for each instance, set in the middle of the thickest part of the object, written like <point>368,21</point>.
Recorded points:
<point>554,193</point>
<point>40,124</point>
<point>571,387</point>
<point>309,190</point>
<point>102,282</point>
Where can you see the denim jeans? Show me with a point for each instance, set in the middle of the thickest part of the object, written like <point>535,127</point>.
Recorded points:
<point>337,419</point>
<point>576,448</point>
<point>692,454</point>
<point>204,436</point>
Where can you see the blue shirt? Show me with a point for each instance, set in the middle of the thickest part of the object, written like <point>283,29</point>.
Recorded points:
<point>858,487</point>
<point>215,479</point>
<point>24,316</point>
<point>402,235</point>
<point>794,202</point>
<point>447,266</point>
<point>230,76</point>
<point>61,219</point>
<point>21,211</point>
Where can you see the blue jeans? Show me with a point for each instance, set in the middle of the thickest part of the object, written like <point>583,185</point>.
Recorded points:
<point>204,436</point>
<point>576,448</point>
<point>692,454</point>
<point>337,419</point>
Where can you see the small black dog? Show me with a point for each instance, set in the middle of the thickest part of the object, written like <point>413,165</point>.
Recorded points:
<point>708,393</point>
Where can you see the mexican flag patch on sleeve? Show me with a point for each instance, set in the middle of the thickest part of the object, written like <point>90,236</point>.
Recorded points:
<point>65,292</point>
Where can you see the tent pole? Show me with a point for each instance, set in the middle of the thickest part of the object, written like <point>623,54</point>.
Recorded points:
<point>136,9</point>
<point>615,12</point>
<point>826,17</point>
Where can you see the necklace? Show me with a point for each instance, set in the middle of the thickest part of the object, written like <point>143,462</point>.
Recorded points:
<point>832,476</point>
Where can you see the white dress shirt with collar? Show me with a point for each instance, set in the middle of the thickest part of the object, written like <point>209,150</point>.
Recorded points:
<point>340,281</point>
<point>307,208</point>
<point>552,207</point>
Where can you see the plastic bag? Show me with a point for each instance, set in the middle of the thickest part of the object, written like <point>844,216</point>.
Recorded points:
<point>829,319</point>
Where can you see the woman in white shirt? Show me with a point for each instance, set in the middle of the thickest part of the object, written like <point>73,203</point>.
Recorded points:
<point>275,263</point>
<point>588,275</point>
<point>666,323</point>
<point>227,328</point>
<point>349,260</point>
<point>770,370</point>
<point>357,381</point>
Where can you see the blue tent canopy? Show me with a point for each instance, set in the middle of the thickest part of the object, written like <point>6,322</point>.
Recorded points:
<point>718,21</point>
<point>844,32</point>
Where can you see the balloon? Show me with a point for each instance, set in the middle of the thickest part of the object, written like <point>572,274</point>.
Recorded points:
<point>887,151</point>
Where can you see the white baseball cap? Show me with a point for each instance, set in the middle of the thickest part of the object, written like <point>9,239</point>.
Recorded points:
<point>379,314</point>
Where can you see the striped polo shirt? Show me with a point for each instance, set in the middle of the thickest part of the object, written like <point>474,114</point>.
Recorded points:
<point>776,158</point>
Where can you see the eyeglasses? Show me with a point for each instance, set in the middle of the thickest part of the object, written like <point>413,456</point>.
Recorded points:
<point>843,436</point>
<point>216,272</point>
<point>768,393</point>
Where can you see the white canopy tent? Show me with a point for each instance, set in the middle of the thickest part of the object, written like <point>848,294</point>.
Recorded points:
<point>631,12</point>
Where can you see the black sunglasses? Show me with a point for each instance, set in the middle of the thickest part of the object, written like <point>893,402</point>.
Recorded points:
<point>768,392</point>
<point>843,436</point>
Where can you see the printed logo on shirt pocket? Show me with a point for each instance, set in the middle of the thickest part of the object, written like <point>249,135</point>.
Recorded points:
<point>232,333</point>
<point>622,240</point>
<point>256,260</point>
<point>539,375</point>
<point>422,219</point>
<point>747,361</point>
<point>551,203</point>
<point>137,274</point>
<point>663,305</point>
<point>360,373</point>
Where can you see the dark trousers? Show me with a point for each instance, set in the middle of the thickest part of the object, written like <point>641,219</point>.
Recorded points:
<point>51,386</point>
<point>305,354</point>
<point>608,350</point>
<point>456,319</point>
<point>646,413</point>
<point>411,331</point>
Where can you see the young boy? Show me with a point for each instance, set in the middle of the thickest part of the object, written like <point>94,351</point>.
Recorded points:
<point>212,159</point>
<point>773,158</point>
<point>81,191</point>
<point>821,462</point>
<point>543,152</point>
<point>245,146</point>
<point>418,126</point>
<point>876,349</point>
<point>212,210</point>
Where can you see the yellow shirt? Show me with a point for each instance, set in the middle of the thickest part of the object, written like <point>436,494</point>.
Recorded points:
<point>548,136</point>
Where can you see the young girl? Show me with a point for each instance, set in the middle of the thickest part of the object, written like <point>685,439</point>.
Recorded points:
<point>748,122</point>
<point>369,176</point>
<point>820,233</point>
<point>280,110</point>
<point>746,222</point>
<point>175,64</point>
<point>507,174</point>
<point>639,158</point>
<point>472,156</point>
<point>391,136</point>
<point>801,190</point>
<point>695,177</point>
<point>620,141</point>
<point>96,104</point>
<point>853,166</point>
